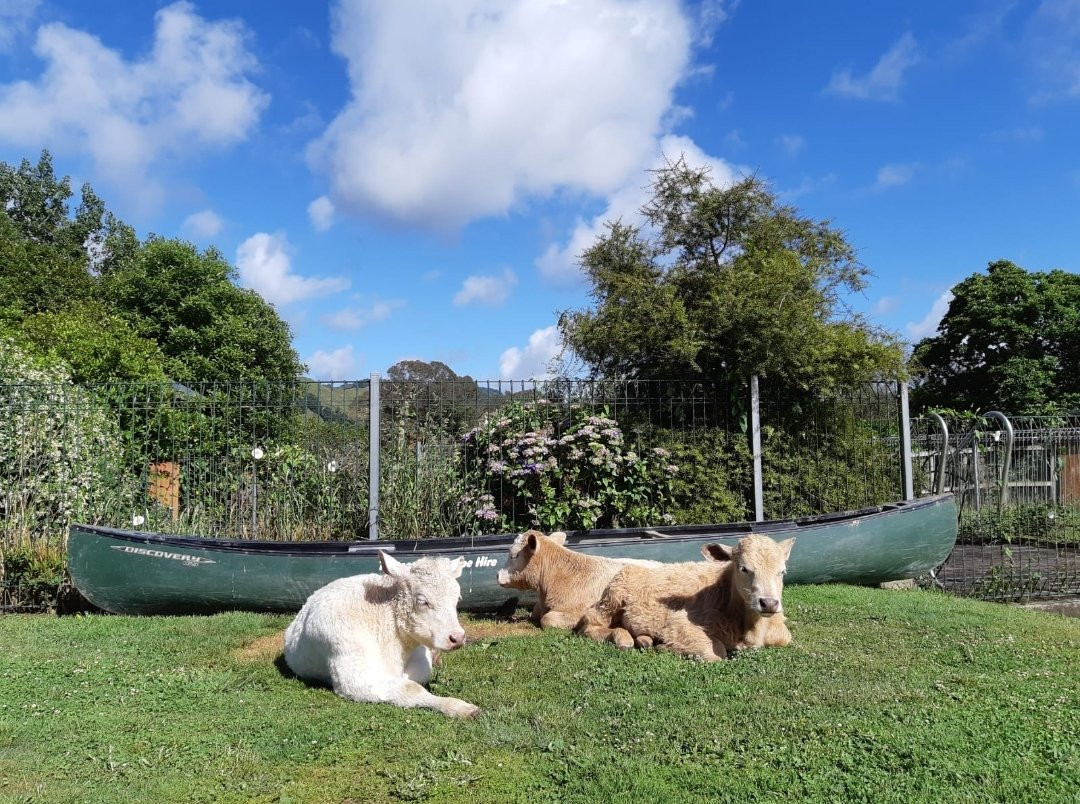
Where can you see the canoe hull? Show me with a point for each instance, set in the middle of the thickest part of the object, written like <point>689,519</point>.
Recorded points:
<point>130,572</point>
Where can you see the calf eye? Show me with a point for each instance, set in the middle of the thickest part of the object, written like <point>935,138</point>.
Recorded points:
<point>744,569</point>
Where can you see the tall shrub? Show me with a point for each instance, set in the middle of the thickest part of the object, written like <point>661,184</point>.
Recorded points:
<point>61,454</point>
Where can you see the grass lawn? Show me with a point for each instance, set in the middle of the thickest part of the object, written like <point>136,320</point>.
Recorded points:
<point>885,696</point>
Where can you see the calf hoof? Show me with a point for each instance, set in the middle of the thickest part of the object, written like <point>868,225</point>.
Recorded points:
<point>622,639</point>
<point>455,707</point>
<point>643,641</point>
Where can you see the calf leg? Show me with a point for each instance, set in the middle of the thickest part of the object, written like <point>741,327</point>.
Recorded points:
<point>691,640</point>
<point>349,681</point>
<point>560,619</point>
<point>410,694</point>
<point>597,625</point>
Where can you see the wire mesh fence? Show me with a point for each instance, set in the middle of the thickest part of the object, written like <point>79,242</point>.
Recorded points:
<point>1017,486</point>
<point>293,461</point>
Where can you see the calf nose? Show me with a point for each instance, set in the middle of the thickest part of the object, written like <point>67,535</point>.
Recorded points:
<point>457,638</point>
<point>769,605</point>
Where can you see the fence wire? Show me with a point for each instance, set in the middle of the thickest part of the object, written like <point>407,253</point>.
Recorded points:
<point>1019,503</point>
<point>291,461</point>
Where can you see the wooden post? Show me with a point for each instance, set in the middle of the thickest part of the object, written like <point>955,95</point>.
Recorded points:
<point>164,485</point>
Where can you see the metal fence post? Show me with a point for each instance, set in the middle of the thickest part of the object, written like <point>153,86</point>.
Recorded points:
<point>1007,463</point>
<point>906,472</point>
<point>373,456</point>
<point>755,449</point>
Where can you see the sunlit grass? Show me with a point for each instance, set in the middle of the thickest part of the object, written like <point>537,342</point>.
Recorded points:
<point>885,696</point>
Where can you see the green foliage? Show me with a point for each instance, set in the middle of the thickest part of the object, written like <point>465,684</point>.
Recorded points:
<point>162,307</point>
<point>715,477</point>
<point>420,483</point>
<point>32,575</point>
<point>1010,340</point>
<point>726,283</point>
<point>1043,523</point>
<point>59,448</point>
<point>942,700</point>
<point>99,346</point>
<point>526,467</point>
<point>208,328</point>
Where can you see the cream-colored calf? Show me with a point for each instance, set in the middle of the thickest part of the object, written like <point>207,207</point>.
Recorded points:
<point>566,582</point>
<point>370,637</point>
<point>703,609</point>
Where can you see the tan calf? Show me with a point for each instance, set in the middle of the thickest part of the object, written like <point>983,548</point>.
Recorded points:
<point>704,609</point>
<point>566,582</point>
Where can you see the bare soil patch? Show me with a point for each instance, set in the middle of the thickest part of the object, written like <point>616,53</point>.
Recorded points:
<point>263,649</point>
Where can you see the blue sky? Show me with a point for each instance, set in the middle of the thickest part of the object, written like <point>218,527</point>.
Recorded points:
<point>414,179</point>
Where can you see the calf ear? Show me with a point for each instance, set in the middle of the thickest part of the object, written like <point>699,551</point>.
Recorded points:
<point>532,541</point>
<point>457,565</point>
<point>717,552</point>
<point>786,546</point>
<point>391,566</point>
<point>557,536</point>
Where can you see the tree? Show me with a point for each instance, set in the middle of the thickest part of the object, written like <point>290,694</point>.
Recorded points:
<point>724,283</point>
<point>1010,340</point>
<point>208,328</point>
<point>99,346</point>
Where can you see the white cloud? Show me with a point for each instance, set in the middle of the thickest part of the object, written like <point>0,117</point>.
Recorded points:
<point>321,213</point>
<point>462,110</point>
<point>883,82</point>
<point>489,290</point>
<point>894,175</point>
<point>265,266</point>
<point>928,326</point>
<point>15,17</point>
<point>531,363</point>
<point>340,364</point>
<point>189,92</point>
<point>791,144</point>
<point>357,317</point>
<point>203,225</point>
<point>1051,43</point>
<point>559,264</point>
<point>710,16</point>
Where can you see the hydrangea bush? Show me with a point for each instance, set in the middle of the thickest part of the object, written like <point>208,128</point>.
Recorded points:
<point>537,466</point>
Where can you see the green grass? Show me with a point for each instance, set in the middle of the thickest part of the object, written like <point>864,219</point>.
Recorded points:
<point>885,696</point>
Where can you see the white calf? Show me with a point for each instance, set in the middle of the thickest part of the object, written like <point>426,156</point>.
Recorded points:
<point>370,637</point>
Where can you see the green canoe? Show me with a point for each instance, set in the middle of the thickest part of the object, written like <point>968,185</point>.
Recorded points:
<point>132,572</point>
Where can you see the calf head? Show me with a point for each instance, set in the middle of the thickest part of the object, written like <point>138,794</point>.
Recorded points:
<point>522,568</point>
<point>758,568</point>
<point>425,607</point>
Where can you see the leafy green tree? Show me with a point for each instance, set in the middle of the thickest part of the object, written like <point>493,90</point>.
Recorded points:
<point>100,347</point>
<point>724,283</point>
<point>1010,340</point>
<point>208,328</point>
